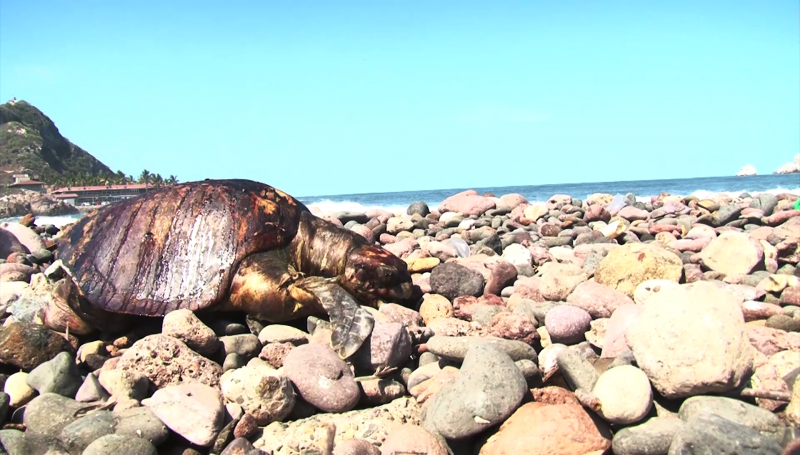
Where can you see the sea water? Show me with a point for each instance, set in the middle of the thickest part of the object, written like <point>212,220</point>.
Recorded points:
<point>642,189</point>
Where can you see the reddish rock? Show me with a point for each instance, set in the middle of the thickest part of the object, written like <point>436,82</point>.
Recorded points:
<point>770,341</point>
<point>554,395</point>
<point>246,427</point>
<point>365,232</point>
<point>632,213</point>
<point>614,343</point>
<point>754,310</point>
<point>408,439</point>
<point>466,203</point>
<point>513,327</point>
<point>561,429</point>
<point>375,392</point>
<point>322,378</point>
<point>426,389</point>
<point>513,200</point>
<point>356,447</point>
<point>529,288</point>
<point>693,273</point>
<point>402,248</point>
<point>791,296</point>
<point>389,345</point>
<point>386,239</point>
<point>598,300</point>
<point>780,217</point>
<point>275,353</point>
<point>549,230</point>
<point>503,274</point>
<point>693,245</point>
<point>464,306</point>
<point>567,324</point>
<point>596,213</point>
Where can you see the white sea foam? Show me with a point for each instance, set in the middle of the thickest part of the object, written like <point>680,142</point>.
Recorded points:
<point>57,221</point>
<point>327,206</point>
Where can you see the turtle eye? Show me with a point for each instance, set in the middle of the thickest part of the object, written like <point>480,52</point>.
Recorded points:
<point>361,274</point>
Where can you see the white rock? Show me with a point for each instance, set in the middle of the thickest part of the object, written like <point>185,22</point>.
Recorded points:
<point>517,254</point>
<point>194,411</point>
<point>691,340</point>
<point>262,392</point>
<point>624,393</point>
<point>18,389</point>
<point>746,170</point>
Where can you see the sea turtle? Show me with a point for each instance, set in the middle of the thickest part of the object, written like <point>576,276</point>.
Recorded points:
<point>226,245</point>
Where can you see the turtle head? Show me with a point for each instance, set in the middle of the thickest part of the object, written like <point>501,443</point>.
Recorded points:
<point>373,274</point>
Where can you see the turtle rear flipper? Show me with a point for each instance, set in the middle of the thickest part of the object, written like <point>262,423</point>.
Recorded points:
<point>351,323</point>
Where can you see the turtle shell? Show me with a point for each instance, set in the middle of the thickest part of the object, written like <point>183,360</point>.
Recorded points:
<point>175,247</point>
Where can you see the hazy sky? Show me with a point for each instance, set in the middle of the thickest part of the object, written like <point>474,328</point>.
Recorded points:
<point>350,97</point>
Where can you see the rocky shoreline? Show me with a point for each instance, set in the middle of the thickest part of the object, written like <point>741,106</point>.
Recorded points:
<point>569,327</point>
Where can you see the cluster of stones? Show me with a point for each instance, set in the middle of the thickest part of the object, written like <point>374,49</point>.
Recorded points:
<point>600,326</point>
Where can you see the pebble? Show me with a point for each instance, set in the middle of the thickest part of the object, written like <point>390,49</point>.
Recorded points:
<point>576,370</point>
<point>322,378</point>
<point>732,253</point>
<point>262,392</point>
<point>59,375</point>
<point>120,445</point>
<point>736,411</point>
<point>194,411</point>
<point>626,267</point>
<point>453,280</point>
<point>356,447</point>
<point>277,333</point>
<point>18,390</point>
<point>598,300</point>
<point>488,390</point>
<point>625,395</point>
<point>141,422</point>
<point>49,413</point>
<point>27,345</point>
<point>413,439</point>
<point>380,391</point>
<point>709,434</point>
<point>185,326</point>
<point>167,361</point>
<point>652,437</point>
<point>79,434</point>
<point>567,324</point>
<point>457,348</point>
<point>435,306</point>
<point>544,429</point>
<point>246,345</point>
<point>389,345</point>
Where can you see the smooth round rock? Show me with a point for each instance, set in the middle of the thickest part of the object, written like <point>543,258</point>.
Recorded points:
<point>18,390</point>
<point>413,439</point>
<point>489,388</point>
<point>625,394</point>
<point>193,410</point>
<point>567,324</point>
<point>120,445</point>
<point>322,378</point>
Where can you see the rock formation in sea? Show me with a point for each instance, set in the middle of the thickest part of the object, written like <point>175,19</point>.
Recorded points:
<point>747,170</point>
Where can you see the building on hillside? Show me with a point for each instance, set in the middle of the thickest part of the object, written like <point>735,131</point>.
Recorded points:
<point>99,195</point>
<point>25,182</point>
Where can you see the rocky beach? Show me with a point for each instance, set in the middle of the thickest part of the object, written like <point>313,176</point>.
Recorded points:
<point>609,325</point>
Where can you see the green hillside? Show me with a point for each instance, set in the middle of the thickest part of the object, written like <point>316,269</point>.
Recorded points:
<point>30,142</point>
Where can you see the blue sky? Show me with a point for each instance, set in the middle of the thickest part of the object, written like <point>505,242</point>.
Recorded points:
<point>349,97</point>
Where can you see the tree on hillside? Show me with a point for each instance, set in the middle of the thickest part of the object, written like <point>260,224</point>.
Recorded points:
<point>158,180</point>
<point>172,180</point>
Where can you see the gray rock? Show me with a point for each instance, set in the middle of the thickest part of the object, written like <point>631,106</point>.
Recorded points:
<point>726,214</point>
<point>736,411</point>
<point>246,345</point>
<point>650,438</point>
<point>120,445</point>
<point>389,345</point>
<point>49,413</point>
<point>489,388</point>
<point>16,442</point>
<point>59,375</point>
<point>5,400</point>
<point>233,361</point>
<point>420,208</point>
<point>456,348</point>
<point>766,202</point>
<point>576,370</point>
<point>453,280</point>
<point>91,390</point>
<point>483,314</point>
<point>80,433</point>
<point>714,435</point>
<point>142,423</point>
<point>239,446</point>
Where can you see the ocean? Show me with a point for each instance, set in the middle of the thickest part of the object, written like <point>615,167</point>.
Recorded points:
<point>642,189</point>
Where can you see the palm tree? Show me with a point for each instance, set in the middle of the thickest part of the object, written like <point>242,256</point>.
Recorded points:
<point>158,180</point>
<point>172,180</point>
<point>144,177</point>
<point>120,178</point>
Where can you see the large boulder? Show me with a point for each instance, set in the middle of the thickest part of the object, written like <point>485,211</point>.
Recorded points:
<point>167,361</point>
<point>466,203</point>
<point>691,340</point>
<point>733,253</point>
<point>625,267</point>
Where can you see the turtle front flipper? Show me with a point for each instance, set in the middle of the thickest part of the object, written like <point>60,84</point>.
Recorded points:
<point>351,323</point>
